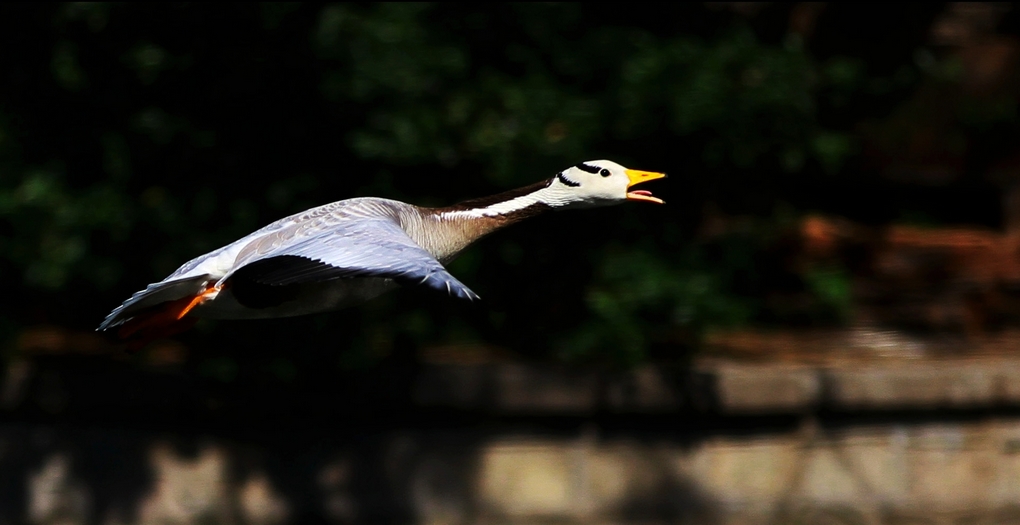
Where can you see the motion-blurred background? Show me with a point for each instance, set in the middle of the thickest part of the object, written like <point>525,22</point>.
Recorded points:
<point>820,326</point>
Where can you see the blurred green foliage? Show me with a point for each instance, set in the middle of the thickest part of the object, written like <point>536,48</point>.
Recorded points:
<point>134,137</point>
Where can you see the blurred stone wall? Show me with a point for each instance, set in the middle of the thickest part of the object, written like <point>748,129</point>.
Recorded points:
<point>928,473</point>
<point>892,441</point>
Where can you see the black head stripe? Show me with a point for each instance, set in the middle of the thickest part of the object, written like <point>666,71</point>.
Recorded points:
<point>588,167</point>
<point>567,181</point>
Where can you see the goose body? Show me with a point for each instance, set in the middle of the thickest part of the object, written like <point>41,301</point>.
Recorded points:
<point>346,252</point>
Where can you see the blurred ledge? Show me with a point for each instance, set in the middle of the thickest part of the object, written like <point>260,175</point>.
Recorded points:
<point>57,340</point>
<point>50,340</point>
<point>727,386</point>
<point>785,372</point>
<point>859,370</point>
<point>533,388</point>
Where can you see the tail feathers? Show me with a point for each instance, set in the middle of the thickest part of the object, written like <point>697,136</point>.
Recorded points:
<point>159,311</point>
<point>154,295</point>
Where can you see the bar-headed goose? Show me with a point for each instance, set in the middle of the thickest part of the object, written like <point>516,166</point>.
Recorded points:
<point>349,251</point>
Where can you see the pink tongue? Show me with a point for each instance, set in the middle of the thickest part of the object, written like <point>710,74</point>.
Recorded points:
<point>646,193</point>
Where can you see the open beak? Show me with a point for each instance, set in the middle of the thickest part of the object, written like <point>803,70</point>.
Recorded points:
<point>637,177</point>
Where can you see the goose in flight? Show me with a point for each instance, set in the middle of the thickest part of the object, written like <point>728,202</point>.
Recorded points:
<point>349,251</point>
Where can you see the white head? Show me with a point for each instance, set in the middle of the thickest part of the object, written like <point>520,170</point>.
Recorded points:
<point>598,183</point>
<point>588,184</point>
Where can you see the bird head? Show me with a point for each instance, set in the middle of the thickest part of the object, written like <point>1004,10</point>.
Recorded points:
<point>601,183</point>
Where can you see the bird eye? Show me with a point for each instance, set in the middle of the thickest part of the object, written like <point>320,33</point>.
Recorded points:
<point>604,172</point>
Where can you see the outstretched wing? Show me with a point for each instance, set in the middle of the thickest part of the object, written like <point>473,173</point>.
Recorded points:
<point>363,247</point>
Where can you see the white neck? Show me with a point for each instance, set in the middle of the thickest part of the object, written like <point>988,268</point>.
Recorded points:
<point>553,196</point>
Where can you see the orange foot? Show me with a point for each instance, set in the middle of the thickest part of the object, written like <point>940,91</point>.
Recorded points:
<point>162,320</point>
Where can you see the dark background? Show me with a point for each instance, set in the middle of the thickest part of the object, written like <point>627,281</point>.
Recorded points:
<point>135,137</point>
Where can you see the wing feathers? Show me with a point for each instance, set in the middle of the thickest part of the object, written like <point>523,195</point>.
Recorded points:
<point>376,247</point>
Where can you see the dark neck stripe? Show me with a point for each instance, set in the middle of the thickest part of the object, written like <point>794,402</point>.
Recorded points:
<point>588,167</point>
<point>567,181</point>
<point>485,202</point>
<point>523,213</point>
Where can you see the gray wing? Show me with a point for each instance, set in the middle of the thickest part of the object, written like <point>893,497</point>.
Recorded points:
<point>363,247</point>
